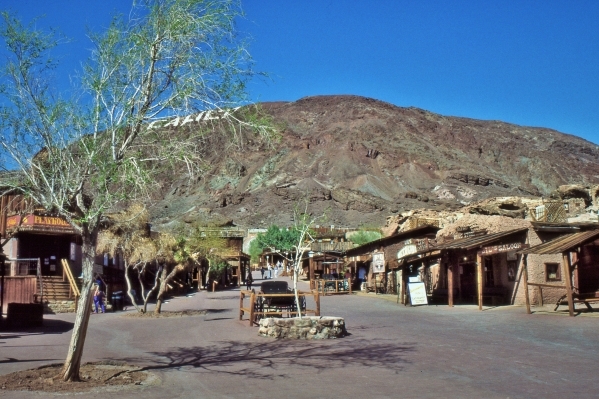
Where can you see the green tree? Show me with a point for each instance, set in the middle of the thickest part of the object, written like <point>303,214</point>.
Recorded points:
<point>85,156</point>
<point>294,240</point>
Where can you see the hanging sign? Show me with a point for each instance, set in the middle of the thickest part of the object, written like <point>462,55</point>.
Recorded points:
<point>378,262</point>
<point>417,294</point>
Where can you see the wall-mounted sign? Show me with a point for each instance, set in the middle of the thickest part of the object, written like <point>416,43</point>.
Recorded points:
<point>378,262</point>
<point>497,249</point>
<point>408,249</point>
<point>38,223</point>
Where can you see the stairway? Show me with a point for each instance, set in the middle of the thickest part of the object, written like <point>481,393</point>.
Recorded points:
<point>58,297</point>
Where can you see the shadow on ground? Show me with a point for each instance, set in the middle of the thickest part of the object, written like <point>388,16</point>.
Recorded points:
<point>50,326</point>
<point>270,359</point>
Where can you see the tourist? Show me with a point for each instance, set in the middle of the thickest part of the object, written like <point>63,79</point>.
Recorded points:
<point>269,267</point>
<point>249,280</point>
<point>99,297</point>
<point>262,272</point>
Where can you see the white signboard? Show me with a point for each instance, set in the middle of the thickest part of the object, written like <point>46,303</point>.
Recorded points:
<point>417,294</point>
<point>378,262</point>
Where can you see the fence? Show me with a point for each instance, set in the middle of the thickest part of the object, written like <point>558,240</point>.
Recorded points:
<point>19,289</point>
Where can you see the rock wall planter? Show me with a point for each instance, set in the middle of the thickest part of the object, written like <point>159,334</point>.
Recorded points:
<point>308,327</point>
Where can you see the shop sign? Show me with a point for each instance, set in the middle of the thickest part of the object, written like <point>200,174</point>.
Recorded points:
<point>36,222</point>
<point>497,249</point>
<point>417,294</point>
<point>408,249</point>
<point>378,262</point>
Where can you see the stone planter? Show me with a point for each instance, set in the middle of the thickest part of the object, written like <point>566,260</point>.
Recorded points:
<point>308,327</point>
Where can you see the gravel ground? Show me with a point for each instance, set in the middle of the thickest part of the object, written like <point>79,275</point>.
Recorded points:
<point>392,351</point>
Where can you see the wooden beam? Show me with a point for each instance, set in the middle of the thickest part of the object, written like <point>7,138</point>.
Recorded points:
<point>479,275</point>
<point>568,280</point>
<point>450,270</point>
<point>524,262</point>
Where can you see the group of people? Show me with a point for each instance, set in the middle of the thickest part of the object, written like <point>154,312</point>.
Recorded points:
<point>265,272</point>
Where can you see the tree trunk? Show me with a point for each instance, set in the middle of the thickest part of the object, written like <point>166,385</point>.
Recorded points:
<point>146,298</point>
<point>295,278</point>
<point>161,291</point>
<point>163,284</point>
<point>133,300</point>
<point>70,371</point>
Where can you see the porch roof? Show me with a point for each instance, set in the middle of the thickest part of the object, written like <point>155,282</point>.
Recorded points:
<point>562,244</point>
<point>480,241</point>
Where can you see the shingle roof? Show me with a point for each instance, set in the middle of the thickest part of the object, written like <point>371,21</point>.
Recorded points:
<point>562,244</point>
<point>479,241</point>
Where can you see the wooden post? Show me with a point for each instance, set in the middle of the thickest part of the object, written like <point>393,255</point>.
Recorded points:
<point>311,272</point>
<point>252,303</point>
<point>568,279</point>
<point>479,272</point>
<point>317,300</point>
<point>450,270</point>
<point>525,273</point>
<point>458,275</point>
<point>241,296</point>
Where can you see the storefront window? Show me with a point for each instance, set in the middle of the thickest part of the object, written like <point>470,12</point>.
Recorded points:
<point>552,272</point>
<point>511,270</point>
<point>489,278</point>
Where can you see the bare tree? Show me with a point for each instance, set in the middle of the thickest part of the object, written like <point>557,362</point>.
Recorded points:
<point>85,156</point>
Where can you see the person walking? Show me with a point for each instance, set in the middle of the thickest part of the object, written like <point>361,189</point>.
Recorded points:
<point>269,267</point>
<point>99,297</point>
<point>262,272</point>
<point>249,280</point>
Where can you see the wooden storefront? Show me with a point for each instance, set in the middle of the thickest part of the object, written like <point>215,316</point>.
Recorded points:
<point>577,275</point>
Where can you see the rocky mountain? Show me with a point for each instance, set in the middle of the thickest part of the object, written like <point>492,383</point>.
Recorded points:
<point>360,160</point>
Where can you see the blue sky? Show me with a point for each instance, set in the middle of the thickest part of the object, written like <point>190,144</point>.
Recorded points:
<point>533,63</point>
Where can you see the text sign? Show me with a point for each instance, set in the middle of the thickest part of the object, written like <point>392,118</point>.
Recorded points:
<point>417,294</point>
<point>497,249</point>
<point>35,222</point>
<point>378,262</point>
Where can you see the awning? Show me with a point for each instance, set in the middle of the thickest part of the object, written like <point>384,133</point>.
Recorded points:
<point>562,244</point>
<point>479,241</point>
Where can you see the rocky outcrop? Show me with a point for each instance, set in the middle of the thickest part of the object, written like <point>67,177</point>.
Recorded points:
<point>308,327</point>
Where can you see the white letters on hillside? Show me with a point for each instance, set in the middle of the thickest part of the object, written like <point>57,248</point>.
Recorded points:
<point>201,117</point>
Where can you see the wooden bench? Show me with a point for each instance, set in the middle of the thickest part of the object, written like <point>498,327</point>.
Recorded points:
<point>586,298</point>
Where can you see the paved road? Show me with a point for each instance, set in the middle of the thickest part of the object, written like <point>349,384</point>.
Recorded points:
<point>393,351</point>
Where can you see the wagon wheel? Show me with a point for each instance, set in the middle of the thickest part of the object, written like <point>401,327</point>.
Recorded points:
<point>258,307</point>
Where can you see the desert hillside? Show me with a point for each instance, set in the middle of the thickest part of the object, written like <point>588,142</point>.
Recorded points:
<point>361,160</point>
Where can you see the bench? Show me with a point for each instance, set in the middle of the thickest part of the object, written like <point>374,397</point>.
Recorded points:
<point>586,298</point>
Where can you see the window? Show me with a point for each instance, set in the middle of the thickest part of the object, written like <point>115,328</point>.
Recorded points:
<point>552,272</point>
<point>512,268</point>
<point>489,278</point>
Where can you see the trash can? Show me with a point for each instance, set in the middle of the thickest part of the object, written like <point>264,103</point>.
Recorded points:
<point>117,300</point>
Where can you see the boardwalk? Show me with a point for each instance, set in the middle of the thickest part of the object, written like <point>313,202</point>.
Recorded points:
<point>393,351</point>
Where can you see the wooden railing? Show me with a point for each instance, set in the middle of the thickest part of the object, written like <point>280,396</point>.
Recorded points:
<point>255,298</point>
<point>325,287</point>
<point>66,271</point>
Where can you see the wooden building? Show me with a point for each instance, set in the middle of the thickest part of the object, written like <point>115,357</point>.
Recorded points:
<point>576,276</point>
<point>377,263</point>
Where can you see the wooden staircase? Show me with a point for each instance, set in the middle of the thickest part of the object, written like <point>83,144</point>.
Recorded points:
<point>57,295</point>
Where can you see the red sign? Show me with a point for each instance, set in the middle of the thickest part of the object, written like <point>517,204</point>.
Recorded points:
<point>36,222</point>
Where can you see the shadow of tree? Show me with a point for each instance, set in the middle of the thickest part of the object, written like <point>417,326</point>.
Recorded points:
<point>261,360</point>
<point>49,326</point>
